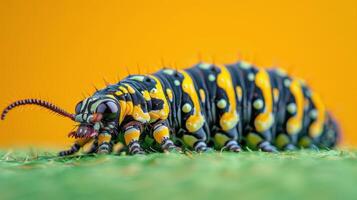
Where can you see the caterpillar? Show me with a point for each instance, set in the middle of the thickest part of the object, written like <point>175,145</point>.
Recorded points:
<point>228,107</point>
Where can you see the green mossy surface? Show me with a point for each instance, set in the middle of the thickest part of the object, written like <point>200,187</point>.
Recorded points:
<point>247,175</point>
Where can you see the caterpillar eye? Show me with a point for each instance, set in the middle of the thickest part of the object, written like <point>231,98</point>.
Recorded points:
<point>258,104</point>
<point>186,108</point>
<point>109,109</point>
<point>78,107</point>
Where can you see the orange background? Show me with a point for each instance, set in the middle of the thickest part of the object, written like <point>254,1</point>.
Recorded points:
<point>57,50</point>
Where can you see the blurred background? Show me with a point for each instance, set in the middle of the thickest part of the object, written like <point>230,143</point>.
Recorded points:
<point>58,50</point>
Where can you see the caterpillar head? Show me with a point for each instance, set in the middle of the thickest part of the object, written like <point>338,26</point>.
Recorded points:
<point>93,114</point>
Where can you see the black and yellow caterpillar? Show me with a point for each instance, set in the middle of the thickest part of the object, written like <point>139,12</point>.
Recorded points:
<point>206,106</point>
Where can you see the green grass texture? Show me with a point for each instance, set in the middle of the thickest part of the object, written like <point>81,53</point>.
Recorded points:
<point>218,175</point>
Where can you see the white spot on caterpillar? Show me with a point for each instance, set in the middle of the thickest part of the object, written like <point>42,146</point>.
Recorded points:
<point>211,77</point>
<point>313,114</point>
<point>308,93</point>
<point>221,103</point>
<point>258,104</point>
<point>251,76</point>
<point>177,82</point>
<point>291,108</point>
<point>245,65</point>
<point>287,82</point>
<point>186,108</point>
<point>153,91</point>
<point>281,72</point>
<point>168,71</point>
<point>204,65</point>
<point>138,78</point>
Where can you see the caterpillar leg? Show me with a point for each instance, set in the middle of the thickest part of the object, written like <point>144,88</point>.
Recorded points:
<point>227,140</point>
<point>104,146</point>
<point>290,147</point>
<point>161,135</point>
<point>131,137</point>
<point>257,141</point>
<point>196,140</point>
<point>75,147</point>
<point>285,143</point>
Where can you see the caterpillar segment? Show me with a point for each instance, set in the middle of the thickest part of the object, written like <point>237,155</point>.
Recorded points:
<point>320,129</point>
<point>206,106</point>
<point>330,136</point>
<point>154,94</point>
<point>146,97</point>
<point>219,102</point>
<point>256,104</point>
<point>186,118</point>
<point>289,109</point>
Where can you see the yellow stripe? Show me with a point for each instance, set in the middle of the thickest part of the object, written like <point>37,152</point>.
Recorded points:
<point>229,119</point>
<point>169,94</point>
<point>140,115</point>
<point>104,138</point>
<point>265,119</point>
<point>131,135</point>
<point>294,124</point>
<point>202,95</point>
<point>239,93</point>
<point>125,91</point>
<point>146,95</point>
<point>276,94</point>
<point>188,87</point>
<point>161,133</point>
<point>160,95</point>
<point>195,121</point>
<point>224,81</point>
<point>263,82</point>
<point>316,127</point>
<point>130,89</point>
<point>126,107</point>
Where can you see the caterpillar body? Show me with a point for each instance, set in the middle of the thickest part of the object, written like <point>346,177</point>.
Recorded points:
<point>206,106</point>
